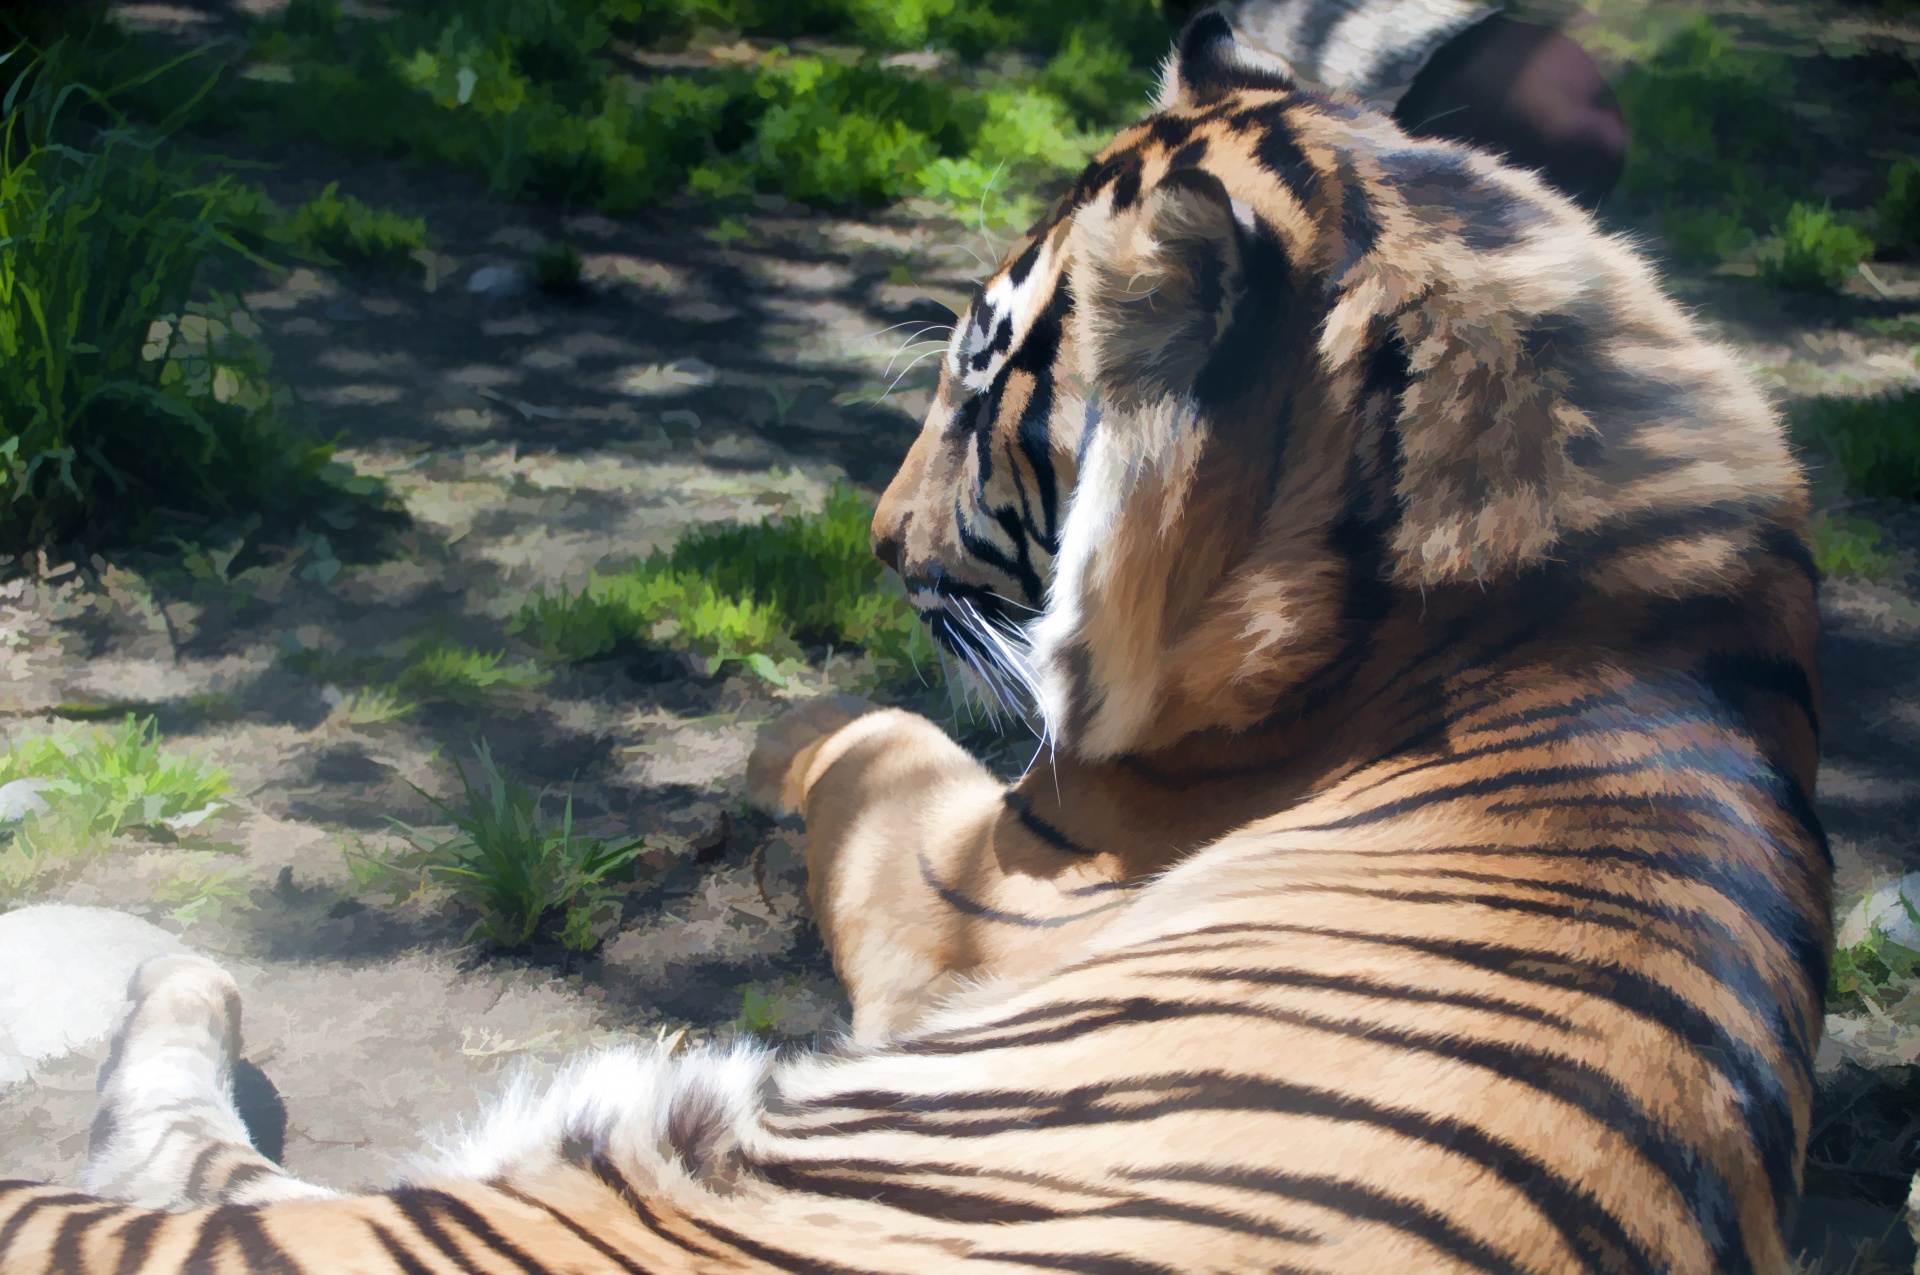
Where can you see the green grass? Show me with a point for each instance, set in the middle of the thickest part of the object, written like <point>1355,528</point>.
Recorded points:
<point>1850,548</point>
<point>432,669</point>
<point>1875,442</point>
<point>534,96</point>
<point>438,671</point>
<point>98,782</point>
<point>761,1012</point>
<point>346,230</point>
<point>1714,143</point>
<point>1812,251</point>
<point>128,391</point>
<point>199,894</point>
<point>530,877</point>
<point>374,706</point>
<point>748,594</point>
<point>1709,120</point>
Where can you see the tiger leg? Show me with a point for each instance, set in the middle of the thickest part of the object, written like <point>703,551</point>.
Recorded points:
<point>165,1131</point>
<point>922,881</point>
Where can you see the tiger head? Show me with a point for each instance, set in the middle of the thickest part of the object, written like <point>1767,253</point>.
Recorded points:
<point>1273,371</point>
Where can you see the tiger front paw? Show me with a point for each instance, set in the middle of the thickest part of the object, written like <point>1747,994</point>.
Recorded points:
<point>775,768</point>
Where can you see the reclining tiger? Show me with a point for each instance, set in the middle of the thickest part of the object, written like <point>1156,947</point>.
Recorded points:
<point>1420,873</point>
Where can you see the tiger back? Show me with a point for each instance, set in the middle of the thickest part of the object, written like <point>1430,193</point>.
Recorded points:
<point>1421,875</point>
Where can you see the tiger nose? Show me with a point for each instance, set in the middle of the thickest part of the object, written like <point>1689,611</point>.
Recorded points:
<point>887,541</point>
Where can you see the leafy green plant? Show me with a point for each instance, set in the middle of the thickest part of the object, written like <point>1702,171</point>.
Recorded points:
<point>116,778</point>
<point>528,876</point>
<point>123,388</point>
<point>1812,251</point>
<point>95,783</point>
<point>1872,970</point>
<point>556,266</point>
<point>1849,548</point>
<point>753,594</point>
<point>1875,442</point>
<point>352,232</point>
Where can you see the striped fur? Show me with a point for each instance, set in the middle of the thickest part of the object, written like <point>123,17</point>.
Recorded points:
<point>1422,878</point>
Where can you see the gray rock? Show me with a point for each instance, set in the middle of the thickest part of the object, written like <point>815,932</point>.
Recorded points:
<point>497,281</point>
<point>66,979</point>
<point>22,798</point>
<point>1883,909</point>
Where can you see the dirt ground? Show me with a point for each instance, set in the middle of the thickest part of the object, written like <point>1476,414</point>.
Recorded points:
<point>702,376</point>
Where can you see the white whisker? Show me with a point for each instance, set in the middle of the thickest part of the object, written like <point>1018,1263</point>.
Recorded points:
<point>909,369</point>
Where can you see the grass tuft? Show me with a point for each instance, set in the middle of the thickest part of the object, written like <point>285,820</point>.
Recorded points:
<point>1874,441</point>
<point>1812,251</point>
<point>126,391</point>
<point>351,232</point>
<point>374,706</point>
<point>437,670</point>
<point>1849,548</point>
<point>746,594</point>
<point>529,876</point>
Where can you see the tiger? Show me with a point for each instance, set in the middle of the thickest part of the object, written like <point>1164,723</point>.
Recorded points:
<point>1418,872</point>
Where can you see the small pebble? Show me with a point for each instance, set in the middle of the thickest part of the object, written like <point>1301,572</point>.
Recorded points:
<point>497,281</point>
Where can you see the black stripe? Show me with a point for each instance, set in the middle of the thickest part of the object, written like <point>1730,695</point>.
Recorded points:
<point>1764,1104</point>
<point>407,1262</point>
<point>779,1258</point>
<point>1050,1022</point>
<point>242,1174</point>
<point>1778,542</point>
<point>1359,225</point>
<point>1362,1202</point>
<point>1086,1263</point>
<point>66,1254</point>
<point>1485,786</point>
<point>609,1174</point>
<point>1587,1226</point>
<point>922,1199</point>
<point>1279,153</point>
<point>197,1174</point>
<point>1597,1094</point>
<point>25,1212</point>
<point>1022,808</point>
<point>241,1226</point>
<point>1749,890</point>
<point>1727,674</point>
<point>425,1208</point>
<point>961,903</point>
<point>136,1242</point>
<point>580,1232</point>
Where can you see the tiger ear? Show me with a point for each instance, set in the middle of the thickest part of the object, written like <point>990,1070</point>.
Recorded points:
<point>1208,62</point>
<point>1161,279</point>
